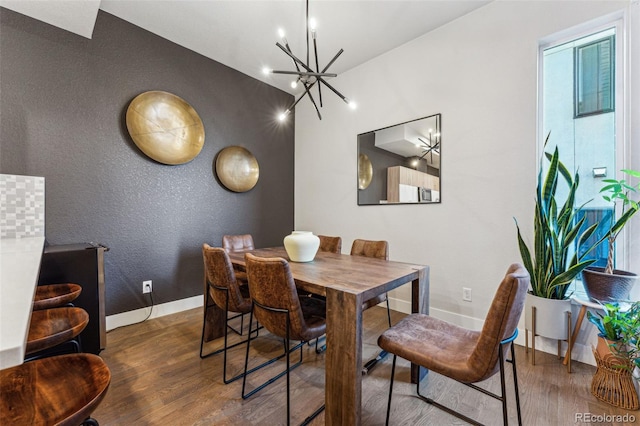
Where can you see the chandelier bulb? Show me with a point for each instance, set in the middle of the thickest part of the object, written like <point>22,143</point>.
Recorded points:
<point>294,84</point>
<point>283,115</point>
<point>281,33</point>
<point>351,104</point>
<point>312,25</point>
<point>266,70</point>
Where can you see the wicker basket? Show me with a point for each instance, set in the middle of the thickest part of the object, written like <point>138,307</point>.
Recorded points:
<point>602,288</point>
<point>613,384</point>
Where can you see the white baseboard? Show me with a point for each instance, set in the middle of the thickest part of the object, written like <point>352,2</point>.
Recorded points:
<point>137,315</point>
<point>582,353</point>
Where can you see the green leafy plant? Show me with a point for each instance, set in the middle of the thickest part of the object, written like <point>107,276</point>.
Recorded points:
<point>619,190</point>
<point>622,328</point>
<point>554,261</point>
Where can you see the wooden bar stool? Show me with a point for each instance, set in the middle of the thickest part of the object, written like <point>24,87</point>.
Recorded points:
<point>55,295</point>
<point>52,327</point>
<point>62,390</point>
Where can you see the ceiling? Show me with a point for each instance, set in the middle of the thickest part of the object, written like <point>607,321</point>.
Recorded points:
<point>242,33</point>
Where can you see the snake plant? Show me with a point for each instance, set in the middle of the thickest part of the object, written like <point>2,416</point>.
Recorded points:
<point>554,260</point>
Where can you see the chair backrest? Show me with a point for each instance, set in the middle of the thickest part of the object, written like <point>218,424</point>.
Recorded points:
<point>367,248</point>
<point>330,244</point>
<point>237,242</point>
<point>271,284</point>
<point>501,321</point>
<point>219,272</point>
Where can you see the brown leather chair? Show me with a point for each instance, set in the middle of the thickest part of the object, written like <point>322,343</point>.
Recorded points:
<point>464,355</point>
<point>225,292</point>
<point>55,295</point>
<point>330,244</point>
<point>278,308</point>
<point>61,390</point>
<point>50,328</point>
<point>378,250</point>
<point>234,243</point>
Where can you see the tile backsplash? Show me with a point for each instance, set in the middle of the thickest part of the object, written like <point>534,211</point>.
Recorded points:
<point>21,206</point>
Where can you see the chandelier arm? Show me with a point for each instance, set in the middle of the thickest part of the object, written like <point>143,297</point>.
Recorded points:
<point>301,73</point>
<point>333,60</point>
<point>333,89</point>
<point>315,50</point>
<point>313,101</point>
<point>292,56</point>
<point>294,62</point>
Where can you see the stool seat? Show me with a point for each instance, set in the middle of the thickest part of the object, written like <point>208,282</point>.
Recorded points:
<point>61,390</point>
<point>51,327</point>
<point>55,295</point>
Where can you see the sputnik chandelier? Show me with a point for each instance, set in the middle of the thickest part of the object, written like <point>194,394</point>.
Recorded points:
<point>305,73</point>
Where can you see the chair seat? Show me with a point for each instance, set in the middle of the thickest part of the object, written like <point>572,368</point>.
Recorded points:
<point>60,390</point>
<point>55,295</point>
<point>51,327</point>
<point>409,338</point>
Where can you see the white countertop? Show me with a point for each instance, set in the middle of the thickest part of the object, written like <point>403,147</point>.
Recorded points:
<point>19,269</point>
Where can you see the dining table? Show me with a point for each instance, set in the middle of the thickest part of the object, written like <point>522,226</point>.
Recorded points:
<point>346,282</point>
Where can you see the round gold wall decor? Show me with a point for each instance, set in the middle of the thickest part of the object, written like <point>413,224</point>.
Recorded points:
<point>237,168</point>
<point>365,171</point>
<point>165,127</point>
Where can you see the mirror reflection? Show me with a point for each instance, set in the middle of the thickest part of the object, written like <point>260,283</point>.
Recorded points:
<point>400,164</point>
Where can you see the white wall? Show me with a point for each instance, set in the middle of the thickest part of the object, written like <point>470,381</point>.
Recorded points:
<point>480,72</point>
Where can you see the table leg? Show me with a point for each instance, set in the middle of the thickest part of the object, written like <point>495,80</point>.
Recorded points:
<point>214,326</point>
<point>343,370</point>
<point>574,335</point>
<point>420,304</point>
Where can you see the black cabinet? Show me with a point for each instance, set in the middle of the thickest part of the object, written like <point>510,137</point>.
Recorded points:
<point>81,264</point>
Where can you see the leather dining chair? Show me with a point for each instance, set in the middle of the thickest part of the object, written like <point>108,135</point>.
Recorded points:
<point>225,292</point>
<point>378,250</point>
<point>330,244</point>
<point>277,306</point>
<point>60,390</point>
<point>234,243</point>
<point>464,355</point>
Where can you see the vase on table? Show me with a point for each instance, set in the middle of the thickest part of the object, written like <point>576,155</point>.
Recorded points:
<point>301,246</point>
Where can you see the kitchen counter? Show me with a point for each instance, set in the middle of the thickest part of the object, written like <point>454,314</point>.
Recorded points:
<point>19,269</point>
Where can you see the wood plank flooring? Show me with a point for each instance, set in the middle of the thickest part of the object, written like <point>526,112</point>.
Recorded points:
<point>159,379</point>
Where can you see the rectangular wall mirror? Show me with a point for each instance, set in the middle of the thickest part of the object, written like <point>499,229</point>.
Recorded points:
<point>401,164</point>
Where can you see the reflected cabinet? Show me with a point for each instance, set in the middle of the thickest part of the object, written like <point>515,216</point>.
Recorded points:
<point>401,164</point>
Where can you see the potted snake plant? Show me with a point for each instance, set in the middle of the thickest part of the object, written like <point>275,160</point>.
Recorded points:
<point>609,284</point>
<point>553,261</point>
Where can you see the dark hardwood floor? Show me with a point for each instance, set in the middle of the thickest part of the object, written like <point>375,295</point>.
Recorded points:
<point>159,379</point>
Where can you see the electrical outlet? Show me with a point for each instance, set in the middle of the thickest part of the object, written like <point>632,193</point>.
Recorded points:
<point>147,286</point>
<point>466,294</point>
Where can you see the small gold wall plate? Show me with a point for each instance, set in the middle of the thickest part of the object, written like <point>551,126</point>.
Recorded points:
<point>165,127</point>
<point>237,168</point>
<point>365,171</point>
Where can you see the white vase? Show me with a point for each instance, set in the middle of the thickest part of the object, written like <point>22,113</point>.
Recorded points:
<point>551,316</point>
<point>301,246</point>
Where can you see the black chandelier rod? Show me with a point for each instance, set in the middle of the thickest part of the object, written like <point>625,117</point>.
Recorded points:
<point>301,73</point>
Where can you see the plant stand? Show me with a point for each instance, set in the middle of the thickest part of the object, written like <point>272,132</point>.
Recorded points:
<point>534,334</point>
<point>613,384</point>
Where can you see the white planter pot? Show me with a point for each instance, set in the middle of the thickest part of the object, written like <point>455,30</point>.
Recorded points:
<point>301,246</point>
<point>551,316</point>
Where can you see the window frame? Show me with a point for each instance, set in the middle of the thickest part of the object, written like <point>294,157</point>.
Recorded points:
<point>612,76</point>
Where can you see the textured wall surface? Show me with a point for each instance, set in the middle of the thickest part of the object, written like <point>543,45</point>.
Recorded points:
<point>63,100</point>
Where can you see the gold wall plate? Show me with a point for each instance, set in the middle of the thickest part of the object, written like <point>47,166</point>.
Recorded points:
<point>365,171</point>
<point>237,168</point>
<point>165,127</point>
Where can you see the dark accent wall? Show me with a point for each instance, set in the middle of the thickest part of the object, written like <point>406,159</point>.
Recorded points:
<point>63,100</point>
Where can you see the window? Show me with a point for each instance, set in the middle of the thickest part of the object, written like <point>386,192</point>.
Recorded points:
<point>594,77</point>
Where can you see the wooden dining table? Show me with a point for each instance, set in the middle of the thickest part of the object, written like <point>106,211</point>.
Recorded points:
<point>346,282</point>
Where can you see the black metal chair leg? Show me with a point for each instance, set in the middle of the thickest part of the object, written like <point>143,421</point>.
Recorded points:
<point>503,389</point>
<point>393,372</point>
<point>90,421</point>
<point>515,383</point>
